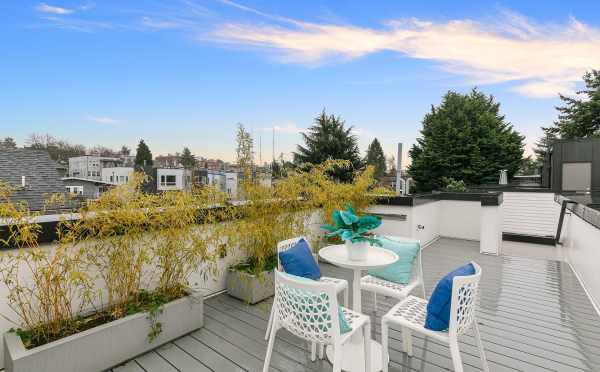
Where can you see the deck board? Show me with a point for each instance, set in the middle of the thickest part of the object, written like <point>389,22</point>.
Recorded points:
<point>534,316</point>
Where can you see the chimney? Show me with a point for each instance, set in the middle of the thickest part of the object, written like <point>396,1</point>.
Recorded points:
<point>399,170</point>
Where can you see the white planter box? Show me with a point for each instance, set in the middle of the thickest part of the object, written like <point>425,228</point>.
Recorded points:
<point>107,345</point>
<point>250,288</point>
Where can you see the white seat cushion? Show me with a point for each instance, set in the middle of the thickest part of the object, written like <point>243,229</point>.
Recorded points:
<point>386,288</point>
<point>411,313</point>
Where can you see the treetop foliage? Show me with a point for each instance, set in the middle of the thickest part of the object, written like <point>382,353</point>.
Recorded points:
<point>465,138</point>
<point>328,138</point>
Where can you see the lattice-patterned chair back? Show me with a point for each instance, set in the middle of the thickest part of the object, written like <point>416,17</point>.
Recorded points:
<point>284,246</point>
<point>464,301</point>
<point>308,309</point>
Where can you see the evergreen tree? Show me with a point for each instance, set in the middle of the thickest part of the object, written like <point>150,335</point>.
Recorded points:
<point>580,115</point>
<point>125,150</point>
<point>143,156</point>
<point>8,143</point>
<point>188,160</point>
<point>466,139</point>
<point>542,146</point>
<point>328,138</point>
<point>376,158</point>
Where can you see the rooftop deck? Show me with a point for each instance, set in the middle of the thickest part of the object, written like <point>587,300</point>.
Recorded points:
<point>534,316</point>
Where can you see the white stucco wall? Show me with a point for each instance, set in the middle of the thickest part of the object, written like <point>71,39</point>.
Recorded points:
<point>581,246</point>
<point>460,219</point>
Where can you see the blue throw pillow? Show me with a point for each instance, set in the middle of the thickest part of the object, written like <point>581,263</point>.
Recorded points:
<point>300,261</point>
<point>399,271</point>
<point>344,326</point>
<point>438,309</point>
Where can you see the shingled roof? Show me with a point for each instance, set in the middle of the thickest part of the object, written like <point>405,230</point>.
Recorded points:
<point>41,176</point>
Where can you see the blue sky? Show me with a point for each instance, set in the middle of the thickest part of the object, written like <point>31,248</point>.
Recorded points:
<point>183,73</point>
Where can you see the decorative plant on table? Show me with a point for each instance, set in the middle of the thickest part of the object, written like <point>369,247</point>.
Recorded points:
<point>354,230</point>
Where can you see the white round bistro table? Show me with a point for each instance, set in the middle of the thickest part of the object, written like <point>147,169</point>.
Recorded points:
<point>376,257</point>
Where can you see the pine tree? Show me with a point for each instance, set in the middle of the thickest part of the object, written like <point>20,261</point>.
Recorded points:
<point>466,139</point>
<point>188,160</point>
<point>376,158</point>
<point>580,115</point>
<point>143,156</point>
<point>542,146</point>
<point>328,138</point>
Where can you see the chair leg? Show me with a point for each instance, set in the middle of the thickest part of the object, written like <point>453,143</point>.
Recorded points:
<point>367,345</point>
<point>423,290</point>
<point>346,298</point>
<point>337,357</point>
<point>375,302</point>
<point>313,351</point>
<point>384,345</point>
<point>272,336</point>
<point>270,322</point>
<point>321,351</point>
<point>484,362</point>
<point>407,341</point>
<point>455,352</point>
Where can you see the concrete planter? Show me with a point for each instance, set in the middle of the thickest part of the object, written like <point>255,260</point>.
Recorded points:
<point>250,288</point>
<point>107,345</point>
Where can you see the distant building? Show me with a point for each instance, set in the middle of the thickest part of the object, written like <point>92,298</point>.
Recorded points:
<point>573,165</point>
<point>168,161</point>
<point>231,184</point>
<point>173,179</point>
<point>117,175</point>
<point>86,188</point>
<point>90,167</point>
<point>32,175</point>
<point>213,164</point>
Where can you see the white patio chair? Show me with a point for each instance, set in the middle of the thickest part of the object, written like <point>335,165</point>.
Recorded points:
<point>410,315</point>
<point>396,290</point>
<point>309,309</point>
<point>341,285</point>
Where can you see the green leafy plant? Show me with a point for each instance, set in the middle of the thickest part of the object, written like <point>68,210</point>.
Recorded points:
<point>350,227</point>
<point>453,185</point>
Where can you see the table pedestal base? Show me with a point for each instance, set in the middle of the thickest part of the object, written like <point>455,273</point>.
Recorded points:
<point>353,359</point>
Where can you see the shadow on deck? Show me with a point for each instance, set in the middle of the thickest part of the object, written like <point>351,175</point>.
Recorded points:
<point>534,316</point>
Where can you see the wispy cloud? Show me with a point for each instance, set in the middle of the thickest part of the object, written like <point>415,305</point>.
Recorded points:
<point>45,8</point>
<point>102,120</point>
<point>540,59</point>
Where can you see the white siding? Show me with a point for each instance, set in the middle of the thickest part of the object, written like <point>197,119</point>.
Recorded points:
<point>530,213</point>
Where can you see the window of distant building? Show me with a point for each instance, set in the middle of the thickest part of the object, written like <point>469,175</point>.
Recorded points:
<point>168,180</point>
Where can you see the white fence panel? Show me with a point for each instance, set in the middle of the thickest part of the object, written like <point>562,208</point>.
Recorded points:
<point>530,213</point>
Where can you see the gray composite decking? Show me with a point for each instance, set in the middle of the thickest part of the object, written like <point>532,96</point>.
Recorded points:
<point>534,316</point>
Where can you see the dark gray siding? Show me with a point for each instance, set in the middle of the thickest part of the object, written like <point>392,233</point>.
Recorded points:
<point>574,151</point>
<point>41,175</point>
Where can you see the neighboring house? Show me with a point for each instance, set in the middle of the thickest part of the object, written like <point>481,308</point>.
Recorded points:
<point>32,174</point>
<point>168,161</point>
<point>173,179</point>
<point>90,167</point>
<point>85,188</point>
<point>117,175</point>
<point>231,184</point>
<point>573,165</point>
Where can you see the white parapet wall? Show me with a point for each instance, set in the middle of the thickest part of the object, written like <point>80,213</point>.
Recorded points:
<point>581,245</point>
<point>429,219</point>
